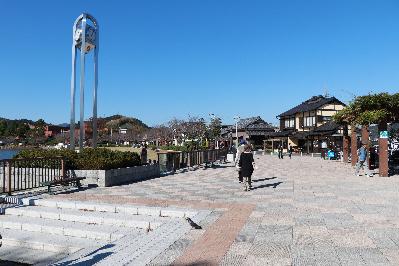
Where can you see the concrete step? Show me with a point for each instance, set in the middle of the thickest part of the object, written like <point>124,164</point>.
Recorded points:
<point>90,217</point>
<point>137,251</point>
<point>29,256</point>
<point>114,208</point>
<point>46,242</point>
<point>67,228</point>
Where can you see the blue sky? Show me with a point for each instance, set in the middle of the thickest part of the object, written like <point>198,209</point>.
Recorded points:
<point>163,59</point>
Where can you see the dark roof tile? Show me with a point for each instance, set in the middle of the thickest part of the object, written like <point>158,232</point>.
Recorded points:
<point>310,105</point>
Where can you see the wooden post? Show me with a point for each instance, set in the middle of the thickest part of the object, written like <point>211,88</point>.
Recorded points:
<point>62,168</point>
<point>345,144</point>
<point>272,146</point>
<point>9,178</point>
<point>353,145</point>
<point>365,134</point>
<point>383,151</point>
<point>346,141</point>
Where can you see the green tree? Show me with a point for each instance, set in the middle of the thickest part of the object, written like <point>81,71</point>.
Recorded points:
<point>215,128</point>
<point>3,127</point>
<point>370,109</point>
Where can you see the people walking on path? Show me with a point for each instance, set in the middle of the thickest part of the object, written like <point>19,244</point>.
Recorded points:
<point>280,151</point>
<point>289,151</point>
<point>246,165</point>
<point>143,154</point>
<point>240,149</point>
<point>362,160</point>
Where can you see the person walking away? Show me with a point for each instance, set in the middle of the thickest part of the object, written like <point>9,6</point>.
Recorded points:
<point>362,160</point>
<point>144,154</point>
<point>247,165</point>
<point>280,151</point>
<point>289,151</point>
<point>240,149</point>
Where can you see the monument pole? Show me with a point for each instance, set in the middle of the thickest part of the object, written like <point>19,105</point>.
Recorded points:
<point>85,38</point>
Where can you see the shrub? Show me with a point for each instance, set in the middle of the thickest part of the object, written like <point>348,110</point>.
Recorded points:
<point>88,159</point>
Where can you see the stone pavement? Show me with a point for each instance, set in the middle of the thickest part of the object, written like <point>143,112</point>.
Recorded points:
<point>302,211</point>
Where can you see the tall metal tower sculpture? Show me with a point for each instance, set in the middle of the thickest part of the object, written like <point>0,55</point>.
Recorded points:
<point>85,39</point>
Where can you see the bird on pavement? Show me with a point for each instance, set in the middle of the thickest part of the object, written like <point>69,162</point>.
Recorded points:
<point>193,224</point>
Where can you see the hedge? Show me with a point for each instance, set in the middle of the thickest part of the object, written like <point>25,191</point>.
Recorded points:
<point>88,159</point>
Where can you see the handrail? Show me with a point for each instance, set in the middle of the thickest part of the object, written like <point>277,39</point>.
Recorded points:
<point>28,173</point>
<point>172,161</point>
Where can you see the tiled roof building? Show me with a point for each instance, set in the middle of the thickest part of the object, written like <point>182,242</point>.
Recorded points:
<point>308,127</point>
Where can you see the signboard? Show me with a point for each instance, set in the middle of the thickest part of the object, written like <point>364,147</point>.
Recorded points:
<point>384,134</point>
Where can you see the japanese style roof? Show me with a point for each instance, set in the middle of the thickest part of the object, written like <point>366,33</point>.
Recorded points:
<point>284,133</point>
<point>244,123</point>
<point>328,128</point>
<point>310,105</point>
<point>253,125</point>
<point>301,134</point>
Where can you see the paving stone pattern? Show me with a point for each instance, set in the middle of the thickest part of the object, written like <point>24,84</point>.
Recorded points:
<point>303,211</point>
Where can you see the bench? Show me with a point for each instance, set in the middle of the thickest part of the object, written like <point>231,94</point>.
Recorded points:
<point>63,182</point>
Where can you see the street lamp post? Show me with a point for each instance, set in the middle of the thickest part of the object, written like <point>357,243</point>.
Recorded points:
<point>212,116</point>
<point>236,118</point>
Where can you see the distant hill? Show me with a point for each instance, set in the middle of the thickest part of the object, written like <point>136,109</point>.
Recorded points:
<point>117,121</point>
<point>17,127</point>
<point>26,121</point>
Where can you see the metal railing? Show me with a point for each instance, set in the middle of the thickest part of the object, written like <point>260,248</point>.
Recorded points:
<point>23,174</point>
<point>174,160</point>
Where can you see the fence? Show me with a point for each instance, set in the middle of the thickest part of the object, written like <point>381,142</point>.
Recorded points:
<point>170,161</point>
<point>23,174</point>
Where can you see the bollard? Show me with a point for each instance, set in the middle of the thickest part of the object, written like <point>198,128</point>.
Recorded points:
<point>9,178</point>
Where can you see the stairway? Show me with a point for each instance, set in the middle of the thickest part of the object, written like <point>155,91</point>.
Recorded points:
<point>47,231</point>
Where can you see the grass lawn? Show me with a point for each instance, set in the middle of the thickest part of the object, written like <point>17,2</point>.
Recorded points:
<point>150,153</point>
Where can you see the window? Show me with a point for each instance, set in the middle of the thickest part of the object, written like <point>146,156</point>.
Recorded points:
<point>309,121</point>
<point>326,118</point>
<point>289,122</point>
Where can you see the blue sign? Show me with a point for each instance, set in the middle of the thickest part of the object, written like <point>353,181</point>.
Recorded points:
<point>384,134</point>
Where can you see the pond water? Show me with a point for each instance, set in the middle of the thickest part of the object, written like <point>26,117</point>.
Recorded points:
<point>7,154</point>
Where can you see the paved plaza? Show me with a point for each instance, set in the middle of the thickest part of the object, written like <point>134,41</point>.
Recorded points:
<point>303,211</point>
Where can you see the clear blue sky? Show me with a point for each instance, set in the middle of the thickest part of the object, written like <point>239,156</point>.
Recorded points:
<point>163,59</point>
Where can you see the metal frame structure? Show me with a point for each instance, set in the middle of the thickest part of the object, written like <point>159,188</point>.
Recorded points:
<point>85,38</point>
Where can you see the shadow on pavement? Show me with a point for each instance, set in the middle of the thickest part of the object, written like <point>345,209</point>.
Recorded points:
<point>92,257</point>
<point>263,179</point>
<point>274,185</point>
<point>199,263</point>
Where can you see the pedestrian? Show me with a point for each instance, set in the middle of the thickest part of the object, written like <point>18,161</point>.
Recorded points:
<point>144,154</point>
<point>280,151</point>
<point>289,151</point>
<point>247,165</point>
<point>362,160</point>
<point>240,149</point>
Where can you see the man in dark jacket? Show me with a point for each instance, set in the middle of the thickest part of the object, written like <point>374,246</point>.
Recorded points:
<point>280,151</point>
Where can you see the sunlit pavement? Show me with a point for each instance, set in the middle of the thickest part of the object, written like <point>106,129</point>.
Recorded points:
<point>303,211</point>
